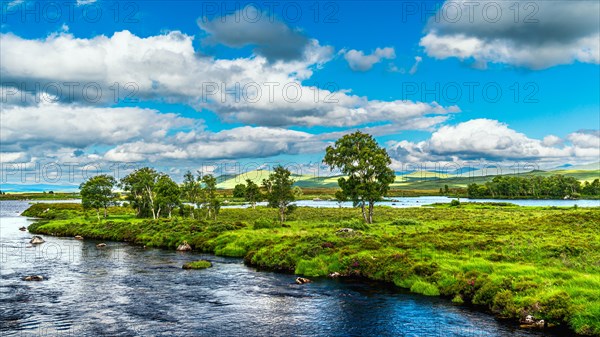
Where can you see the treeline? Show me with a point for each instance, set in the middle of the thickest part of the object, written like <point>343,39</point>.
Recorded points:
<point>154,195</point>
<point>555,186</point>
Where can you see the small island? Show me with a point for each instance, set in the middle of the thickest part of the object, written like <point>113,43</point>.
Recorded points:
<point>200,264</point>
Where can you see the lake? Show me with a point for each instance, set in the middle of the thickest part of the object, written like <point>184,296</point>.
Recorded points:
<point>127,290</point>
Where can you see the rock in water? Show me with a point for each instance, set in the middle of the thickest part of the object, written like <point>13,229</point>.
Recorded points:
<point>302,280</point>
<point>36,239</point>
<point>184,247</point>
<point>33,278</point>
<point>78,237</point>
<point>101,245</point>
<point>22,229</point>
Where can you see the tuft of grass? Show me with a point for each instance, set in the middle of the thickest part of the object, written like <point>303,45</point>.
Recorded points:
<point>200,264</point>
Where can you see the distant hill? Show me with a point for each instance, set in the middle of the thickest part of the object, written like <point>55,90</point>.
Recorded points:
<point>422,179</point>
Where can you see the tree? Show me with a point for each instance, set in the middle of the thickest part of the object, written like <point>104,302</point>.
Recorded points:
<point>366,166</point>
<point>209,197</point>
<point>239,191</point>
<point>279,191</point>
<point>252,193</point>
<point>97,193</point>
<point>141,187</point>
<point>191,190</point>
<point>168,195</point>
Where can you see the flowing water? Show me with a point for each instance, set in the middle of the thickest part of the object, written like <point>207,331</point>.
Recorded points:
<point>126,290</point>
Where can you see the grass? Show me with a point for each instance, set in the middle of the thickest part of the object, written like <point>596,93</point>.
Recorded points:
<point>512,261</point>
<point>200,264</point>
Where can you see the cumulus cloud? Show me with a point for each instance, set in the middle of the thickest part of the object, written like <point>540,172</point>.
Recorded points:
<point>546,33</point>
<point>250,27</point>
<point>82,126</point>
<point>166,67</point>
<point>242,142</point>
<point>358,61</point>
<point>494,141</point>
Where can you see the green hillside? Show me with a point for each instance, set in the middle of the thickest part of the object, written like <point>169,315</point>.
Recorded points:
<point>417,180</point>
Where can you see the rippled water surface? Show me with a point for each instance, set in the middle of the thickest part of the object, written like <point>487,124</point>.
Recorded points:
<point>126,290</point>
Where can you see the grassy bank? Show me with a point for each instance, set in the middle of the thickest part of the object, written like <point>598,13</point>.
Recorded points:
<point>512,261</point>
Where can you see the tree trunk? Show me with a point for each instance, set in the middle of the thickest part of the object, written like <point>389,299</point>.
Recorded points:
<point>169,213</point>
<point>371,204</point>
<point>98,213</point>
<point>364,214</point>
<point>105,213</point>
<point>281,214</point>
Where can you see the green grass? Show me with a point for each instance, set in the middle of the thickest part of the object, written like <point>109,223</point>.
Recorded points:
<point>200,264</point>
<point>507,259</point>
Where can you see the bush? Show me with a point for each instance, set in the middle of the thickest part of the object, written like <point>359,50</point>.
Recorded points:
<point>504,304</point>
<point>454,203</point>
<point>356,224</point>
<point>405,222</point>
<point>266,223</point>
<point>425,288</point>
<point>557,307</point>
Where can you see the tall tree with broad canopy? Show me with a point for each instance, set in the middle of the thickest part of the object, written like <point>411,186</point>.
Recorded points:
<point>141,185</point>
<point>280,193</point>
<point>252,193</point>
<point>366,165</point>
<point>97,193</point>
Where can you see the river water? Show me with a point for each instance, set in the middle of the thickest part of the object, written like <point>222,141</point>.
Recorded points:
<point>125,290</point>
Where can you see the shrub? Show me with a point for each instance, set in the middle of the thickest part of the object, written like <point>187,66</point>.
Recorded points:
<point>356,224</point>
<point>405,222</point>
<point>557,307</point>
<point>504,304</point>
<point>266,223</point>
<point>454,203</point>
<point>425,288</point>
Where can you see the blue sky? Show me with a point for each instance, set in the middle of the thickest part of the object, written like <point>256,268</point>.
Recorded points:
<point>423,77</point>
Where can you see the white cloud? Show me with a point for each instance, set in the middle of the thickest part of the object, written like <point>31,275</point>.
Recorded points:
<point>546,34</point>
<point>166,67</point>
<point>494,141</point>
<point>415,67</point>
<point>242,142</point>
<point>358,61</point>
<point>81,126</point>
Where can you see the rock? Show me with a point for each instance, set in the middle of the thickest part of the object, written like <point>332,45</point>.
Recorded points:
<point>22,229</point>
<point>540,324</point>
<point>302,280</point>
<point>101,245</point>
<point>78,237</point>
<point>334,275</point>
<point>345,230</point>
<point>184,247</point>
<point>33,278</point>
<point>528,319</point>
<point>36,239</point>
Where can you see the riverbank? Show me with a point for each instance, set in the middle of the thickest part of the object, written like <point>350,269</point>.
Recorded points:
<point>512,261</point>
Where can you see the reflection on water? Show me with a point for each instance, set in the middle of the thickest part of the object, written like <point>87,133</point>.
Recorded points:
<point>126,290</point>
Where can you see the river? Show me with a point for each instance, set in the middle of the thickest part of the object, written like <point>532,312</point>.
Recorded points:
<point>126,290</point>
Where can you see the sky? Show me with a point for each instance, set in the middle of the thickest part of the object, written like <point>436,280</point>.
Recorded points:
<point>227,87</point>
